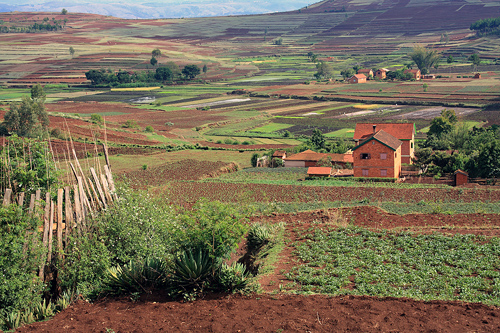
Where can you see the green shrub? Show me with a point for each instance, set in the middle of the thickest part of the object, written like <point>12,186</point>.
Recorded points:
<point>20,258</point>
<point>149,129</point>
<point>214,227</point>
<point>258,236</point>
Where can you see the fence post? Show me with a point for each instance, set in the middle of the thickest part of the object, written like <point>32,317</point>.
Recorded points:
<point>6,197</point>
<point>60,193</point>
<point>68,212</point>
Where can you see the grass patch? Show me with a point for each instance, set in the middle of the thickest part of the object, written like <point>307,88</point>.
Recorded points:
<point>341,133</point>
<point>271,127</point>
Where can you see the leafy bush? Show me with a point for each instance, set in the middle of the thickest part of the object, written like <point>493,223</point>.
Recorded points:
<point>20,258</point>
<point>258,236</point>
<point>214,227</point>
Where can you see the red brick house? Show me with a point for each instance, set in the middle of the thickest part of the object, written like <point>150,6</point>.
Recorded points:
<point>381,73</point>
<point>311,158</point>
<point>319,172</point>
<point>415,72</point>
<point>404,132</point>
<point>357,78</point>
<point>366,72</point>
<point>379,155</point>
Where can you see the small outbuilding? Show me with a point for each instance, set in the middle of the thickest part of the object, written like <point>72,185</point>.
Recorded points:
<point>319,172</point>
<point>461,177</point>
<point>281,154</point>
<point>477,75</point>
<point>357,78</point>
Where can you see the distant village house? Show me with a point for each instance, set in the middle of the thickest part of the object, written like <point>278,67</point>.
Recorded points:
<point>357,78</point>
<point>366,72</point>
<point>414,72</point>
<point>319,172</point>
<point>311,158</point>
<point>381,73</point>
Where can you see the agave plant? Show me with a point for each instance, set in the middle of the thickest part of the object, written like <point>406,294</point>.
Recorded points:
<point>137,275</point>
<point>44,310</point>
<point>258,236</point>
<point>13,320</point>
<point>193,269</point>
<point>233,277</point>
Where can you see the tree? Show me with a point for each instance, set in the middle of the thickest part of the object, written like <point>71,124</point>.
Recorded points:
<point>474,58</point>
<point>278,41</point>
<point>318,139</point>
<point>153,61</point>
<point>96,77</point>
<point>253,160</point>
<point>424,58</point>
<point>176,71</point>
<point>64,11</point>
<point>325,70</point>
<point>190,71</point>
<point>443,124</point>
<point>163,74</point>
<point>156,53</point>
<point>347,73</point>
<point>71,50</point>
<point>487,163</point>
<point>205,69</point>
<point>449,59</point>
<point>29,117</point>
<point>422,158</point>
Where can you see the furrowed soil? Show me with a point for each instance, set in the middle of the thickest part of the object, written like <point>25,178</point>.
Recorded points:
<point>278,313</point>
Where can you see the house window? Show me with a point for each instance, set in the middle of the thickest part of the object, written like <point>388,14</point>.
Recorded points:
<point>383,172</point>
<point>365,156</point>
<point>412,144</point>
<point>395,155</point>
<point>373,142</point>
<point>364,172</point>
<point>383,156</point>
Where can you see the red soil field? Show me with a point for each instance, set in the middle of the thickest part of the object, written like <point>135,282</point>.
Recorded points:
<point>277,313</point>
<point>226,192</point>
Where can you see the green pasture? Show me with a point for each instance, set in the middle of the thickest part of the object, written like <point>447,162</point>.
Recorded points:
<point>271,127</point>
<point>469,124</point>
<point>159,108</point>
<point>341,133</point>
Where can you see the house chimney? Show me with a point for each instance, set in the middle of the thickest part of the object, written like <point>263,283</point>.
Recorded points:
<point>374,128</point>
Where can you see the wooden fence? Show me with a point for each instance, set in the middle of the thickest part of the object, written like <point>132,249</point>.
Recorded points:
<point>71,208</point>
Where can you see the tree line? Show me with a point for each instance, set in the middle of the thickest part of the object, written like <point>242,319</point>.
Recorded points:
<point>450,146</point>
<point>486,26</point>
<point>163,74</point>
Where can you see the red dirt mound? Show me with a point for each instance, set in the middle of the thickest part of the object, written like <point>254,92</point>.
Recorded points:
<point>279,313</point>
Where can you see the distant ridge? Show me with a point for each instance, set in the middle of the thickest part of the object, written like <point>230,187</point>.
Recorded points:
<point>159,9</point>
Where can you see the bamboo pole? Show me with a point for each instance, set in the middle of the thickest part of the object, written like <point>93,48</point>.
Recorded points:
<point>78,211</point>
<point>20,199</point>
<point>60,193</point>
<point>51,231</point>
<point>68,212</point>
<point>45,237</point>
<point>96,195</point>
<point>99,188</point>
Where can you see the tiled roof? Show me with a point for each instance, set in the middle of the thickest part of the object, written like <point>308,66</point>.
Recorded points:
<point>346,158</point>
<point>359,76</point>
<point>384,138</point>
<point>310,155</point>
<point>402,131</point>
<point>307,155</point>
<point>279,153</point>
<point>462,172</point>
<point>412,71</point>
<point>319,171</point>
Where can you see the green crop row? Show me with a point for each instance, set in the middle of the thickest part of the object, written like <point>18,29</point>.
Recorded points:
<point>357,261</point>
